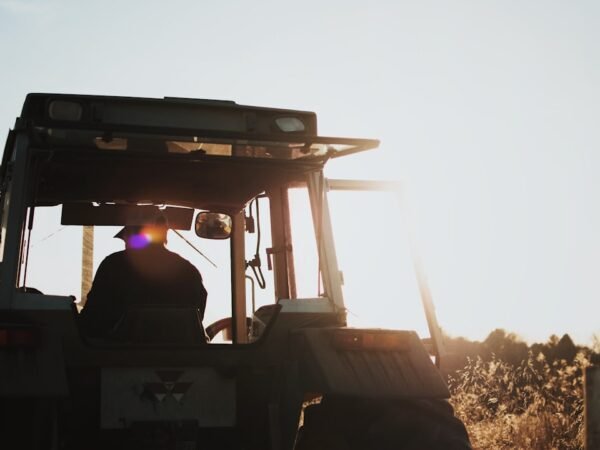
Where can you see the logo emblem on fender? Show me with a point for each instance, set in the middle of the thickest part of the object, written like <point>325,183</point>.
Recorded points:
<point>169,386</point>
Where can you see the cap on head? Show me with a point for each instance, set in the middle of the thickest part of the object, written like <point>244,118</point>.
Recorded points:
<point>128,230</point>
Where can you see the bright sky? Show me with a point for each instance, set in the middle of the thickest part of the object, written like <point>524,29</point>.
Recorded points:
<point>488,111</point>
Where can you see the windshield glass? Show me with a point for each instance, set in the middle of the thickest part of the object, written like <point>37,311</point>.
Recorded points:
<point>372,242</point>
<point>54,266</point>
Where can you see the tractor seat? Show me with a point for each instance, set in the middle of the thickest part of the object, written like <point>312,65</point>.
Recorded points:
<point>160,324</point>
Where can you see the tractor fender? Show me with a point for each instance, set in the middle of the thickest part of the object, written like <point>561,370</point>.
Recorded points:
<point>35,370</point>
<point>32,362</point>
<point>366,363</point>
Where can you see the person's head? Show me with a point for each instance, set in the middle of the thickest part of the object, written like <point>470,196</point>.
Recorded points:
<point>141,236</point>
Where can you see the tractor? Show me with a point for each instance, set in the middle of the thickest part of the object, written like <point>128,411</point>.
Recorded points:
<point>268,366</point>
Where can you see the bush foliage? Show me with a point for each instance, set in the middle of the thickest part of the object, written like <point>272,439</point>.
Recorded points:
<point>534,403</point>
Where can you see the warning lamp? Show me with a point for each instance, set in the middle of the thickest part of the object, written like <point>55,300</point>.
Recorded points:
<point>290,124</point>
<point>18,337</point>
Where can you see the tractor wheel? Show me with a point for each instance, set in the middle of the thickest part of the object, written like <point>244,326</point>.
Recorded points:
<point>360,424</point>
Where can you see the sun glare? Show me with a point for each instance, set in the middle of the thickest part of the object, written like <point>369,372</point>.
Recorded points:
<point>139,241</point>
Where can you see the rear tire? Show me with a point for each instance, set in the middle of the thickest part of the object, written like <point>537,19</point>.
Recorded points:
<point>360,424</point>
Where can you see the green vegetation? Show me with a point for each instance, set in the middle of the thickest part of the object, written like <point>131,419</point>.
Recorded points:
<point>512,396</point>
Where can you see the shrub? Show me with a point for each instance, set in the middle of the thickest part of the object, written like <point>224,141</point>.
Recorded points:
<point>532,405</point>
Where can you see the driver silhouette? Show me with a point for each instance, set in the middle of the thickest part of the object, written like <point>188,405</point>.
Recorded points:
<point>144,274</point>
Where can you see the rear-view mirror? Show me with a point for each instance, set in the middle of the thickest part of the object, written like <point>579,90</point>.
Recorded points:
<point>211,225</point>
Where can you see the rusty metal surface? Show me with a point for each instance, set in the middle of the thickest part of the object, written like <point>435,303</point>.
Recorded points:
<point>592,407</point>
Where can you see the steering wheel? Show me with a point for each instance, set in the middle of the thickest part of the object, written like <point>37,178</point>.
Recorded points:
<point>224,324</point>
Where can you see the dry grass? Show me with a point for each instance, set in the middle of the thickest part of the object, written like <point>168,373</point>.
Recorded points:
<point>535,405</point>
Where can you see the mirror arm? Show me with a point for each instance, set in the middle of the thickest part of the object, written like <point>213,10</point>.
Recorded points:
<point>194,247</point>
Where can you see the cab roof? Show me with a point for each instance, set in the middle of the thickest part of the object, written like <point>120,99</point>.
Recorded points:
<point>212,127</point>
<point>204,153</point>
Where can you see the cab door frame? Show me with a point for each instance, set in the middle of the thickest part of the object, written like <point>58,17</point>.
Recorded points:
<point>395,187</point>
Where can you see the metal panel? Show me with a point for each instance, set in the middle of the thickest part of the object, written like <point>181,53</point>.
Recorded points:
<point>399,373</point>
<point>38,302</point>
<point>120,215</point>
<point>129,112</point>
<point>37,371</point>
<point>279,251</point>
<point>213,120</point>
<point>238,280</point>
<point>13,220</point>
<point>289,251</point>
<point>364,185</point>
<point>169,394</point>
<point>592,407</point>
<point>306,305</point>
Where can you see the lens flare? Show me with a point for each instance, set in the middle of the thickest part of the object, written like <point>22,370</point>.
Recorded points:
<point>139,240</point>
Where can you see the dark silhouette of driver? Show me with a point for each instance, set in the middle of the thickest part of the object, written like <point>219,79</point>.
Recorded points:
<point>144,274</point>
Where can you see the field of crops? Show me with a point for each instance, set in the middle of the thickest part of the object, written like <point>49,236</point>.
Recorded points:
<point>533,404</point>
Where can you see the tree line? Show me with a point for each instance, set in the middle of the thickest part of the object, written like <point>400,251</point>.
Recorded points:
<point>508,347</point>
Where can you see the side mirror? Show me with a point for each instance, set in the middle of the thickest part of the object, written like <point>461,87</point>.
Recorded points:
<point>210,225</point>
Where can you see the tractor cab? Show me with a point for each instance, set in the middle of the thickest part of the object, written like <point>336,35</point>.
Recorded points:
<point>98,163</point>
<point>75,171</point>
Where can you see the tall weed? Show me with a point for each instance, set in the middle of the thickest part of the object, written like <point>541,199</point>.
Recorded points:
<point>533,405</point>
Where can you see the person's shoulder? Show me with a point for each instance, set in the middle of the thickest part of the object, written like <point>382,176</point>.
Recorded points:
<point>114,257</point>
<point>178,259</point>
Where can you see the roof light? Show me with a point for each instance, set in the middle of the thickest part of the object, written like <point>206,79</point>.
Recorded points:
<point>65,110</point>
<point>289,124</point>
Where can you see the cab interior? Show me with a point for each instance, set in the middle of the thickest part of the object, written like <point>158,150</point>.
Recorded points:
<point>80,194</point>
